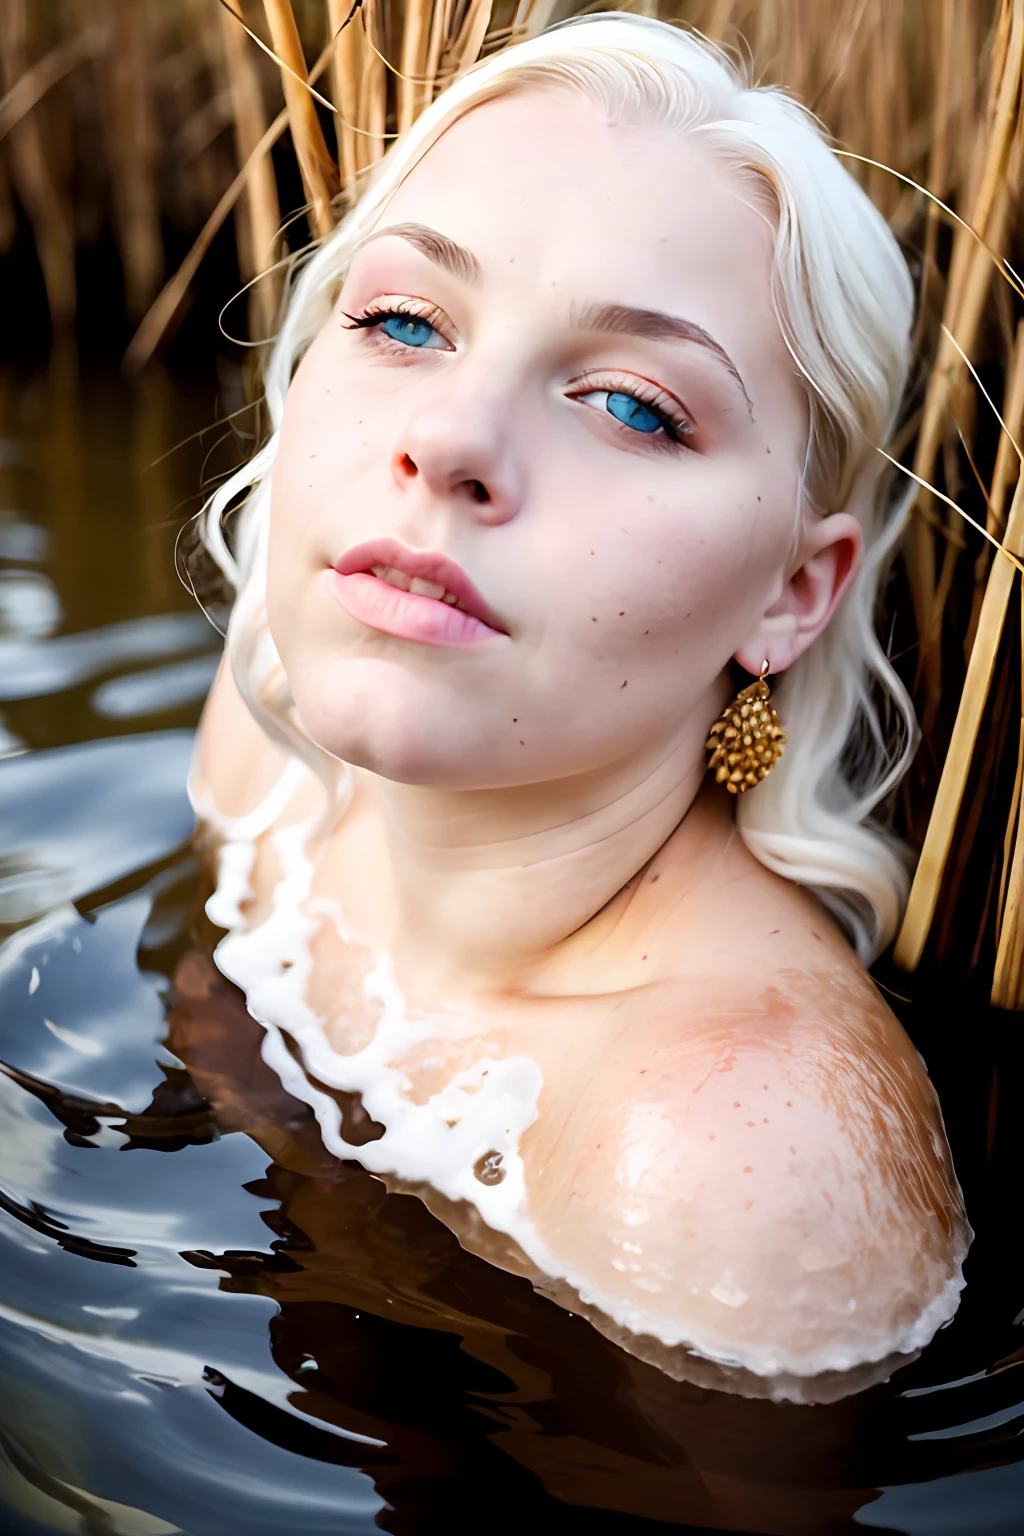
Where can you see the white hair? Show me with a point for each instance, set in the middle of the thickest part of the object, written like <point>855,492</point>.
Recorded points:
<point>844,301</point>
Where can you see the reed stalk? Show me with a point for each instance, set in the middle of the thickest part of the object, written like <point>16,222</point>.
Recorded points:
<point>31,84</point>
<point>8,217</point>
<point>373,86</point>
<point>131,137</point>
<point>44,201</point>
<point>261,201</point>
<point>970,277</point>
<point>415,43</point>
<point>346,72</point>
<point>319,172</point>
<point>938,839</point>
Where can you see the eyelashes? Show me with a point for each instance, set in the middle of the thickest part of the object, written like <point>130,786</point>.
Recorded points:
<point>672,425</point>
<point>374,316</point>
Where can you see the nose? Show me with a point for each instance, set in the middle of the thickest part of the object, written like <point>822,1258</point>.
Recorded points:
<point>457,450</point>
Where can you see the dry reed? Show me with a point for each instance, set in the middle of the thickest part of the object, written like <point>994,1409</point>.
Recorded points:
<point>920,93</point>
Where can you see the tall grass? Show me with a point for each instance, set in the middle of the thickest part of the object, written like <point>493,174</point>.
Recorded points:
<point>161,114</point>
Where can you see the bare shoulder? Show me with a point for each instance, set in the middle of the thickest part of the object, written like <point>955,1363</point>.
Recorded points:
<point>235,764</point>
<point>762,1171</point>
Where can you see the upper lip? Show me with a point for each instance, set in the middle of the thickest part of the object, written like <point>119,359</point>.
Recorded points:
<point>428,565</point>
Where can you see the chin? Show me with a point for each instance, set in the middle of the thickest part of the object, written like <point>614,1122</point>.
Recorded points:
<point>371,714</point>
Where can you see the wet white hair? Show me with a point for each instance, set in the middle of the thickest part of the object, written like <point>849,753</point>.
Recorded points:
<point>844,301</point>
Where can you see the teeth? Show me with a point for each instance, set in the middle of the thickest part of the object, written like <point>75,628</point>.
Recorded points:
<point>416,585</point>
<point>426,588</point>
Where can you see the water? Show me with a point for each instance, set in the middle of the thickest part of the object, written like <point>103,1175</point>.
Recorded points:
<point>209,1325</point>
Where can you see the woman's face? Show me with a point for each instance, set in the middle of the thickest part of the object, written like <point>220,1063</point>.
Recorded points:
<point>555,365</point>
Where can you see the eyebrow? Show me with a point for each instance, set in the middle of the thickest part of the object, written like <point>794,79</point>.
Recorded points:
<point>437,248</point>
<point>614,319</point>
<point>624,320</point>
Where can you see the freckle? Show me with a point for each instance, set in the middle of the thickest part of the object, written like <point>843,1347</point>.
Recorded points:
<point>655,877</point>
<point>642,1071</point>
<point>622,615</point>
<point>624,684</point>
<point>748,1169</point>
<point>659,562</point>
<point>773,933</point>
<point>793,1150</point>
<point>767,450</point>
<point>737,1104</point>
<point>689,1232</point>
<point>765,1087</point>
<point>817,936</point>
<point>750,1122</point>
<point>747,1204</point>
<point>789,1103</point>
<point>646,631</point>
<point>592,619</point>
<point>591,551</point>
<point>643,957</point>
<point>522,743</point>
<point>711,1136</point>
<point>764,1120</point>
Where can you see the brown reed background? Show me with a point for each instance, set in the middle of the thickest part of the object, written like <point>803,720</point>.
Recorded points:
<point>157,118</point>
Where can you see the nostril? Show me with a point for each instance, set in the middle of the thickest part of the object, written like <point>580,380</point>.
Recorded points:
<point>480,491</point>
<point>406,465</point>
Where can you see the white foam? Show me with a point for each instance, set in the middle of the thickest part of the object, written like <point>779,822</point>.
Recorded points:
<point>480,1113</point>
<point>471,1125</point>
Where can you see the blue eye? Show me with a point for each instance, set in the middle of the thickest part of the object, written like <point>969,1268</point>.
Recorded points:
<point>408,329</point>
<point>632,412</point>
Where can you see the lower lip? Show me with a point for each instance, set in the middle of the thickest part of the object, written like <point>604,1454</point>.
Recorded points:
<point>381,606</point>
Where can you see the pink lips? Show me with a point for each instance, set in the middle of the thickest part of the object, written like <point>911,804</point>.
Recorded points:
<point>409,615</point>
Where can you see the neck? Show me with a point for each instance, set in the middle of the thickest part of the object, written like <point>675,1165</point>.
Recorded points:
<point>486,884</point>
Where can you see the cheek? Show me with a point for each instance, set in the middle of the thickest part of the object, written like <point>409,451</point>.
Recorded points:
<point>649,573</point>
<point>328,445</point>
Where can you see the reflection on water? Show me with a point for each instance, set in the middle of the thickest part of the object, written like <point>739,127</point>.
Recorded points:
<point>209,1325</point>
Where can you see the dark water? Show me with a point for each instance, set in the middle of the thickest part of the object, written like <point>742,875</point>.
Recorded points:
<point>209,1325</point>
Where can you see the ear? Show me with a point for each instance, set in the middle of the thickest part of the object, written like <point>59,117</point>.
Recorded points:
<point>830,555</point>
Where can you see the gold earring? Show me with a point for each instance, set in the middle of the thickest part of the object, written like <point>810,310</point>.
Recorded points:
<point>746,741</point>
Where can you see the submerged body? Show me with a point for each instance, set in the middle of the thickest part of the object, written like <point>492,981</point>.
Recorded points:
<point>721,1137</point>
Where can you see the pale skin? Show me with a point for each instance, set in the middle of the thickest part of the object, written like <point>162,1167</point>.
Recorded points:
<point>729,1109</point>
